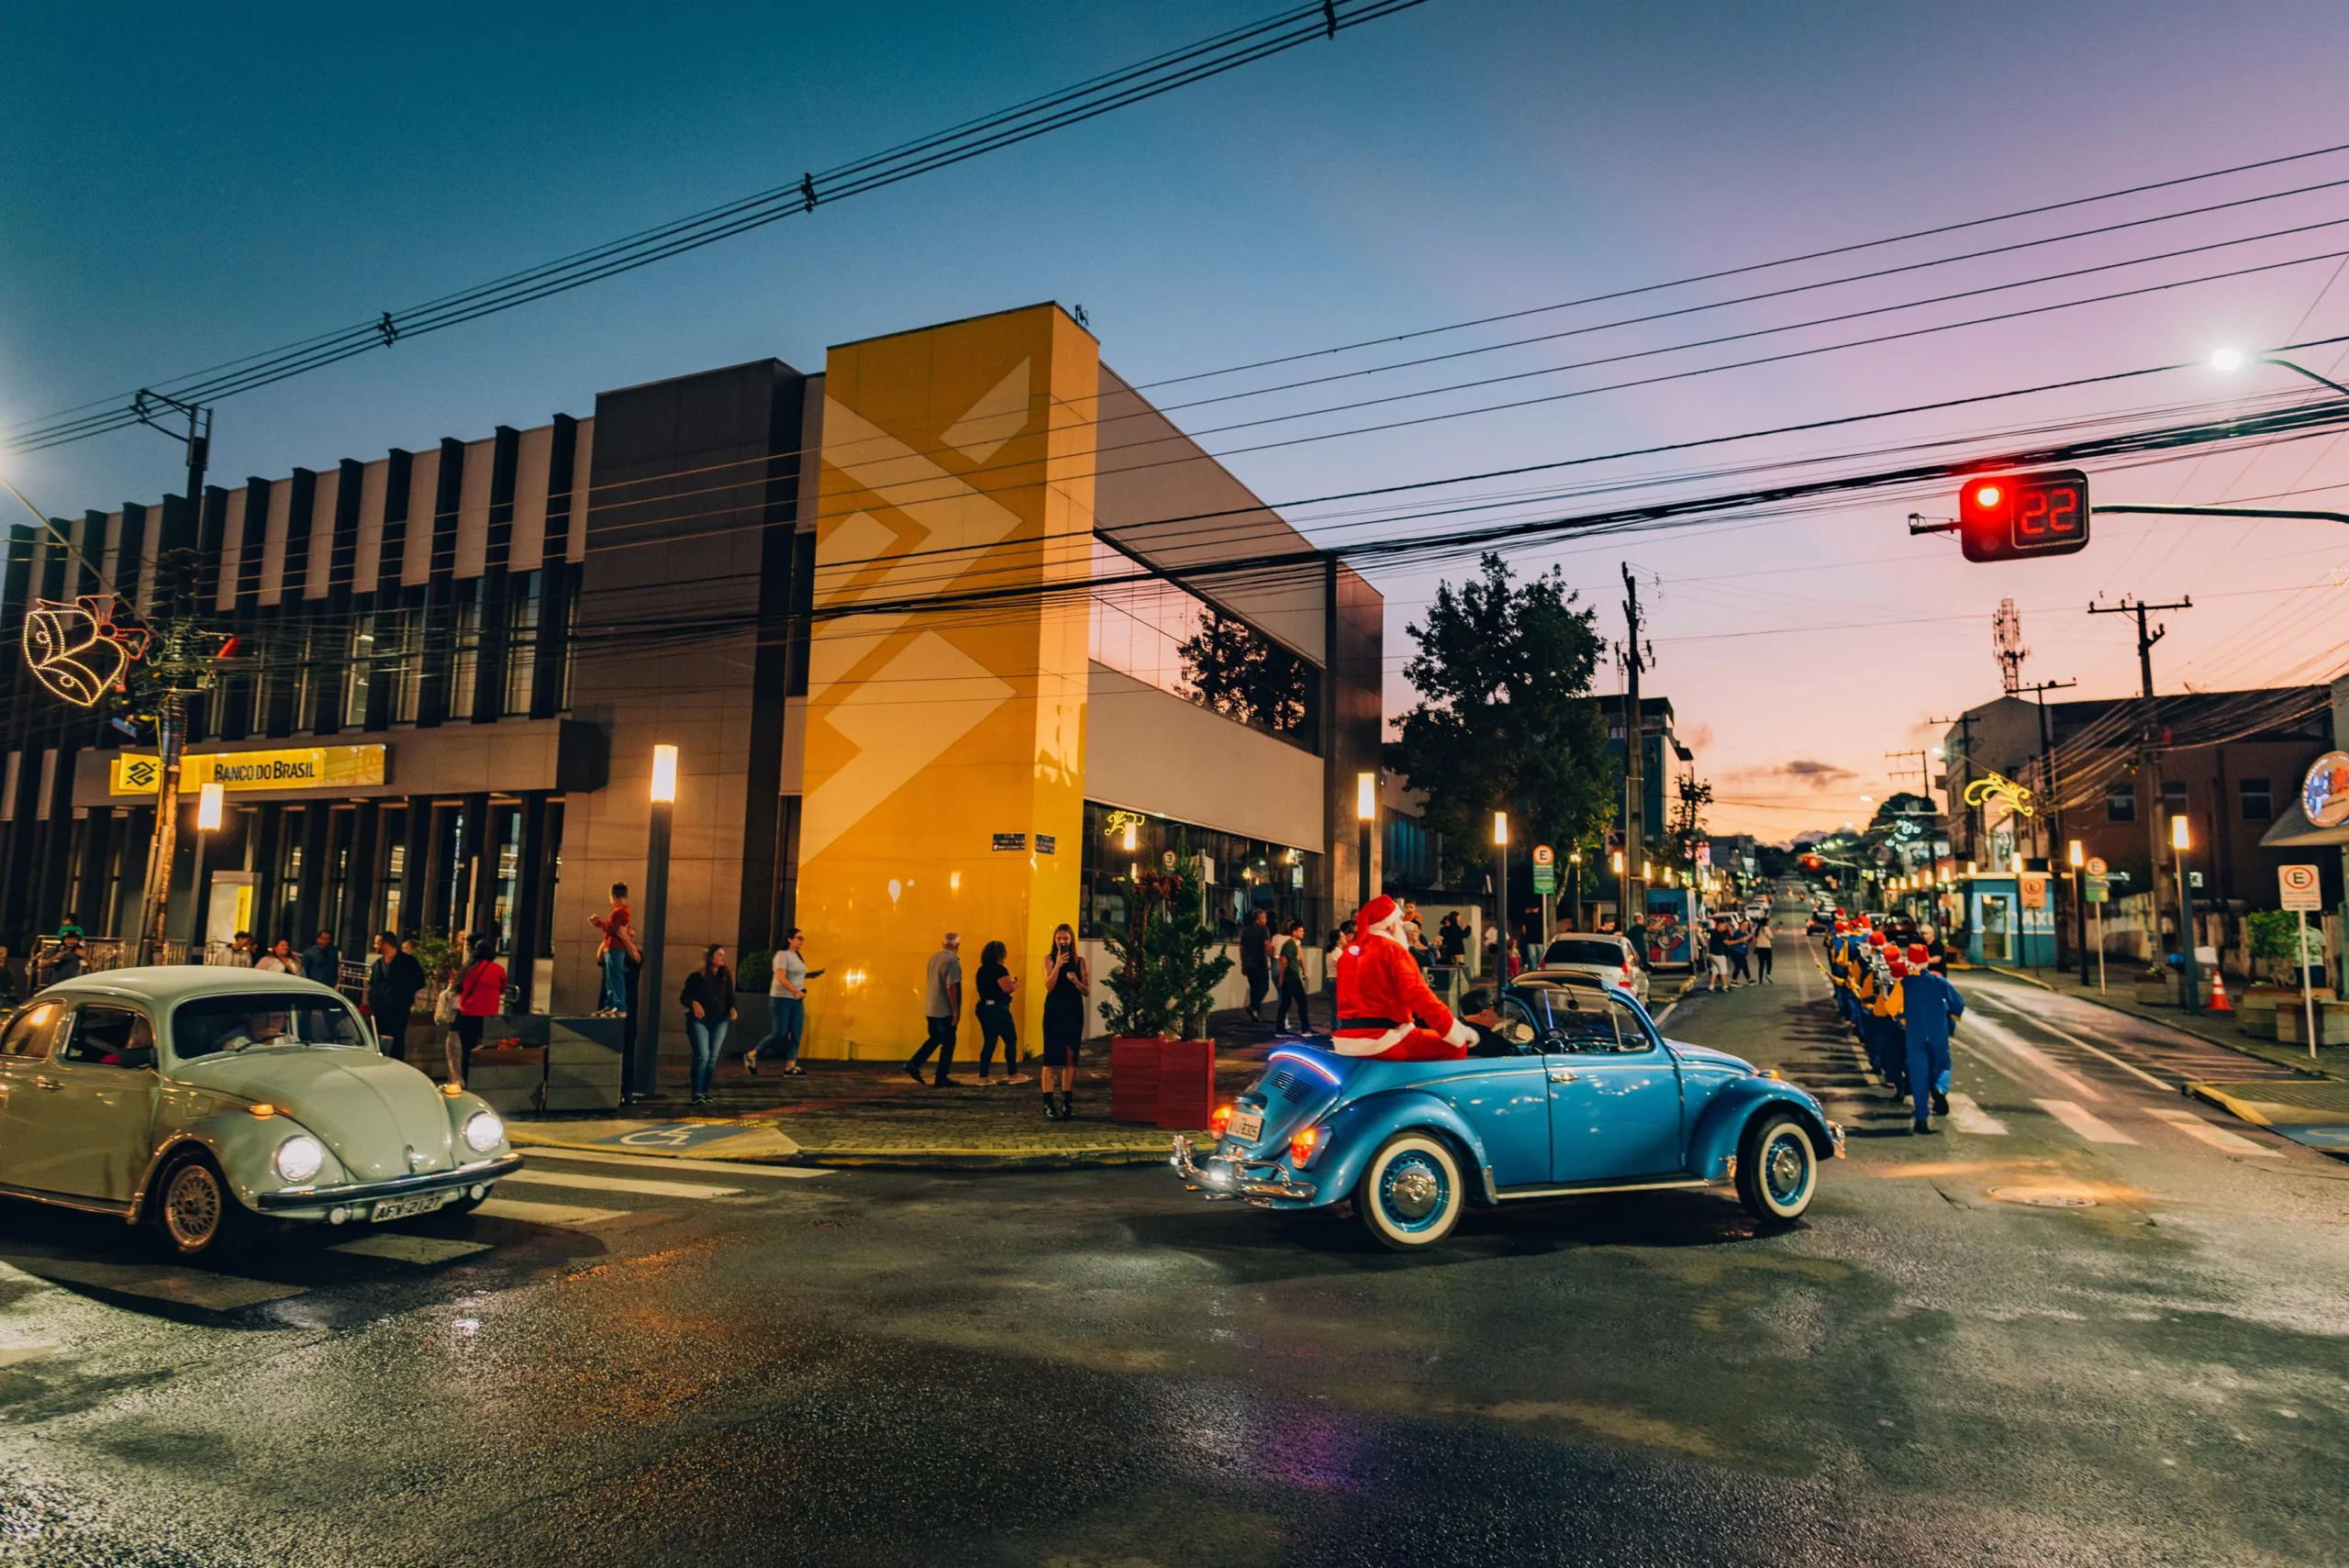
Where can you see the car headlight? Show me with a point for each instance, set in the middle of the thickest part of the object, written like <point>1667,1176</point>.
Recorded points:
<point>299,1158</point>
<point>483,1131</point>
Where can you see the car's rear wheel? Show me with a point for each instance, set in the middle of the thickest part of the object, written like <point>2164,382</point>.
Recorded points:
<point>1777,1169</point>
<point>1410,1195</point>
<point>195,1213</point>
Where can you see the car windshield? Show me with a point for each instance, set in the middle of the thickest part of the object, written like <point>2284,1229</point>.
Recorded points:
<point>1586,951</point>
<point>255,1020</point>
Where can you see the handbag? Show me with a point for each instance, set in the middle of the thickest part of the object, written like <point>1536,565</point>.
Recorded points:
<point>444,1011</point>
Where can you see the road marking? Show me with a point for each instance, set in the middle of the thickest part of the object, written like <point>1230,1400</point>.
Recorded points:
<point>1967,1116</point>
<point>2064,1034</point>
<point>402,1248</point>
<point>182,1287</point>
<point>2193,1126</point>
<point>530,1213</point>
<point>2095,1128</point>
<point>658,1162</point>
<point>530,1178</point>
<point>2007,1040</point>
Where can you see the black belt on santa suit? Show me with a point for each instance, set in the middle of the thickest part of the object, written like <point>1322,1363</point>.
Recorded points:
<point>1370,1023</point>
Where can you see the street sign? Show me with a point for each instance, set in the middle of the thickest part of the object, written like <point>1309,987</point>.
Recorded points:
<point>2034,890</point>
<point>2300,886</point>
<point>1544,855</point>
<point>2016,516</point>
<point>1545,880</point>
<point>2325,792</point>
<point>2097,866</point>
<point>2096,889</point>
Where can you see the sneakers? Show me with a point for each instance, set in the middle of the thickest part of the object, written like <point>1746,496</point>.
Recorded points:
<point>1941,1103</point>
<point>913,1072</point>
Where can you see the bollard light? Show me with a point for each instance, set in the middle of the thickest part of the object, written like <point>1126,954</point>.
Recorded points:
<point>665,775</point>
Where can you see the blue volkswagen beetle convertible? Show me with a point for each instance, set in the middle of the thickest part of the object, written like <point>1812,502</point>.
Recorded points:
<point>1571,1090</point>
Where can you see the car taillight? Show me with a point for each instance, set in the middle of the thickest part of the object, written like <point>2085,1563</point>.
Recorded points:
<point>1301,1147</point>
<point>1220,1120</point>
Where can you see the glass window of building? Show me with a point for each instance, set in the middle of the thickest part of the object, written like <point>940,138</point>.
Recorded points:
<point>2121,801</point>
<point>522,641</point>
<point>464,652</point>
<point>2258,803</point>
<point>403,648</point>
<point>1243,875</point>
<point>2174,795</point>
<point>358,672</point>
<point>1171,639</point>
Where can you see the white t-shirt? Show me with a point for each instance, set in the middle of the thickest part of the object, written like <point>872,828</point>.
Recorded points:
<point>791,968</point>
<point>271,961</point>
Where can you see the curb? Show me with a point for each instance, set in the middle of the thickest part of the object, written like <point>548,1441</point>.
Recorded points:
<point>1018,1159</point>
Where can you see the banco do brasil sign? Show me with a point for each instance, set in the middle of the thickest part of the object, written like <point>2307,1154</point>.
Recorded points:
<point>303,767</point>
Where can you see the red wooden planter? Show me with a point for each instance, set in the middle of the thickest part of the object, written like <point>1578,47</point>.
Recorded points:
<point>1186,1084</point>
<point>1134,1080</point>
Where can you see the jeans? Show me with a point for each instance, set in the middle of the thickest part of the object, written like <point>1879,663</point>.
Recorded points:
<point>391,1029</point>
<point>1761,962</point>
<point>708,1037</point>
<point>994,1028</point>
<point>941,1034</point>
<point>1292,990</point>
<point>615,994</point>
<point>1259,982</point>
<point>790,1018</point>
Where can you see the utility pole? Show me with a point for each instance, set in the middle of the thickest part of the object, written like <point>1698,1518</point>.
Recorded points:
<point>1964,722</point>
<point>1925,774</point>
<point>2149,748</point>
<point>171,710</point>
<point>1632,888</point>
<point>2051,807</point>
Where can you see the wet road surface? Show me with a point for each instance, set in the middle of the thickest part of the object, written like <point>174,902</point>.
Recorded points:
<point>2092,1322</point>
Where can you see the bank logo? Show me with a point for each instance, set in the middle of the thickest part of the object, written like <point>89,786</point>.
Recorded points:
<point>142,774</point>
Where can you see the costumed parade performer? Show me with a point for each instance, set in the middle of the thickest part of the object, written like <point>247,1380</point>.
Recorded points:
<point>1384,1008</point>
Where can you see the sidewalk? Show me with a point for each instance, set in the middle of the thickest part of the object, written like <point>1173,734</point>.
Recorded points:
<point>2219,1028</point>
<point>870,1113</point>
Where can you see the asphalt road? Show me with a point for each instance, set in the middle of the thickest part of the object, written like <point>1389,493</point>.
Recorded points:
<point>626,1364</point>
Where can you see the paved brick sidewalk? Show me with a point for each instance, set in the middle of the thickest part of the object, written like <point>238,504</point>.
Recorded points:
<point>2219,1028</point>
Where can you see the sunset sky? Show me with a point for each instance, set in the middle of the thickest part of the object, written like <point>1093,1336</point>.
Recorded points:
<point>224,183</point>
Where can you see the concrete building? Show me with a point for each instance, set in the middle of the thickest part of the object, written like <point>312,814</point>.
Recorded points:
<point>952,634</point>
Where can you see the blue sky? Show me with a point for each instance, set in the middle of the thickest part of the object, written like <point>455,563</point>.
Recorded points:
<point>185,186</point>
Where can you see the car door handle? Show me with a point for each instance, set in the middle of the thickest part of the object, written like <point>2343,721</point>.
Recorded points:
<point>49,1084</point>
<point>1564,1075</point>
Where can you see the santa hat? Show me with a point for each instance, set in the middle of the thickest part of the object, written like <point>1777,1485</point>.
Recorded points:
<point>1919,952</point>
<point>1876,938</point>
<point>1897,967</point>
<point>1379,915</point>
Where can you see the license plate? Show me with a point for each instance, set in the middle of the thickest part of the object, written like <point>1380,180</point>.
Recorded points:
<point>1246,1125</point>
<point>402,1208</point>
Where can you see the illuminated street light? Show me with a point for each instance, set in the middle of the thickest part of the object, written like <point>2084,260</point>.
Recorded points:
<point>644,1079</point>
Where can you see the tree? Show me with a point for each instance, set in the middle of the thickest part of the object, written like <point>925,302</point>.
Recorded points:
<point>1242,674</point>
<point>1687,821</point>
<point>1169,959</point>
<point>1506,720</point>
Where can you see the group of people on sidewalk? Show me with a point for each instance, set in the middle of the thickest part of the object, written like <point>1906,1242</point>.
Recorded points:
<point>1273,962</point>
<point>1067,982</point>
<point>1902,1006</point>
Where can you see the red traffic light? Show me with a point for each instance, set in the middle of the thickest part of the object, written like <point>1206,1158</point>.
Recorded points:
<point>2015,516</point>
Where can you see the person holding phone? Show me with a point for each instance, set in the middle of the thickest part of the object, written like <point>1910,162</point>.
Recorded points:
<point>1066,985</point>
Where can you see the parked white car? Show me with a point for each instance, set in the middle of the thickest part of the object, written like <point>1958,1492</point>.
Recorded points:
<point>206,1101</point>
<point>1595,955</point>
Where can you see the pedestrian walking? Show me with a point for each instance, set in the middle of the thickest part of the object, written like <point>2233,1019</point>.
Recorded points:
<point>1291,962</point>
<point>613,953</point>
<point>1740,940</point>
<point>66,962</point>
<point>1762,944</point>
<point>481,994</point>
<point>1716,957</point>
<point>1067,983</point>
<point>278,960</point>
<point>786,1006</point>
<point>1931,1007</point>
<point>321,962</point>
<point>993,989</point>
<point>1452,937</point>
<point>942,1007</point>
<point>1255,962</point>
<point>708,998</point>
<point>394,979</point>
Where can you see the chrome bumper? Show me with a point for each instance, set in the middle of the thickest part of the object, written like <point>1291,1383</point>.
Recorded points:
<point>398,1187</point>
<point>1220,1176</point>
<point>1835,1137</point>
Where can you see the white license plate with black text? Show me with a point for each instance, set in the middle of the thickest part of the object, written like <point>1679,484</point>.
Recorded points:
<point>1246,1125</point>
<point>403,1208</point>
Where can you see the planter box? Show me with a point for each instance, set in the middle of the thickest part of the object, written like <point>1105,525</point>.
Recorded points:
<point>510,1078</point>
<point>2331,1025</point>
<point>1186,1084</point>
<point>2160,993</point>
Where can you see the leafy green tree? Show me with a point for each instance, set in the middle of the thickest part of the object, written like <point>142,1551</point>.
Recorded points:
<point>1688,821</point>
<point>1506,720</point>
<point>1243,675</point>
<point>1168,958</point>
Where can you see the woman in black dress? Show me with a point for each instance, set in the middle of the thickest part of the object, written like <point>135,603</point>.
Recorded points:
<point>1066,985</point>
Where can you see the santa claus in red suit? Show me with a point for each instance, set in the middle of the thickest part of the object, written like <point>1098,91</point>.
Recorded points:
<point>1384,1008</point>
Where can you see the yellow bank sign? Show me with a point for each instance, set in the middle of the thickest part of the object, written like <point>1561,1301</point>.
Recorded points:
<point>301,767</point>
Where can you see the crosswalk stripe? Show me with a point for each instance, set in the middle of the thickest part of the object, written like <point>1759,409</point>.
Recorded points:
<point>402,1248</point>
<point>2093,1128</point>
<point>530,1213</point>
<point>660,1163</point>
<point>2193,1126</point>
<point>2007,1040</point>
<point>1967,1116</point>
<point>158,1281</point>
<point>537,1178</point>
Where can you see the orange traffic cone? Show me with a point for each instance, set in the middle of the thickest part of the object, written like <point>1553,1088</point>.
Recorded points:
<point>2218,1003</point>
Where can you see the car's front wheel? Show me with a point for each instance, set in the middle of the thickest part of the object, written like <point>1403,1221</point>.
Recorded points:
<point>195,1212</point>
<point>1777,1169</point>
<point>1410,1195</point>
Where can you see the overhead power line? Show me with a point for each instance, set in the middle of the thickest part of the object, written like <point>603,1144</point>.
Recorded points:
<point>1283,30</point>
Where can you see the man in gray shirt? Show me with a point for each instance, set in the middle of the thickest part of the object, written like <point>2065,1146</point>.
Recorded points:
<point>942,1006</point>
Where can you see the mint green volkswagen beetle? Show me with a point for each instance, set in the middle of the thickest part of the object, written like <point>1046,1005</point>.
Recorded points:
<point>206,1101</point>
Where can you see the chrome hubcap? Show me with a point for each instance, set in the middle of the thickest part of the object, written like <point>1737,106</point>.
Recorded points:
<point>1786,1169</point>
<point>1413,1190</point>
<point>192,1207</point>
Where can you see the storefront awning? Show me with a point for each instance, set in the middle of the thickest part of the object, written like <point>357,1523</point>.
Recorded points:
<point>2294,830</point>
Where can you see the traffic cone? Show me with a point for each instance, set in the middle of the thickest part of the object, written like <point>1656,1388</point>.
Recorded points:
<point>2218,1003</point>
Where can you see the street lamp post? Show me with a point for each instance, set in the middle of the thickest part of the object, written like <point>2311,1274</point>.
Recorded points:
<point>2189,975</point>
<point>1500,890</point>
<point>2078,855</point>
<point>1366,818</point>
<point>649,1009</point>
<point>208,809</point>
